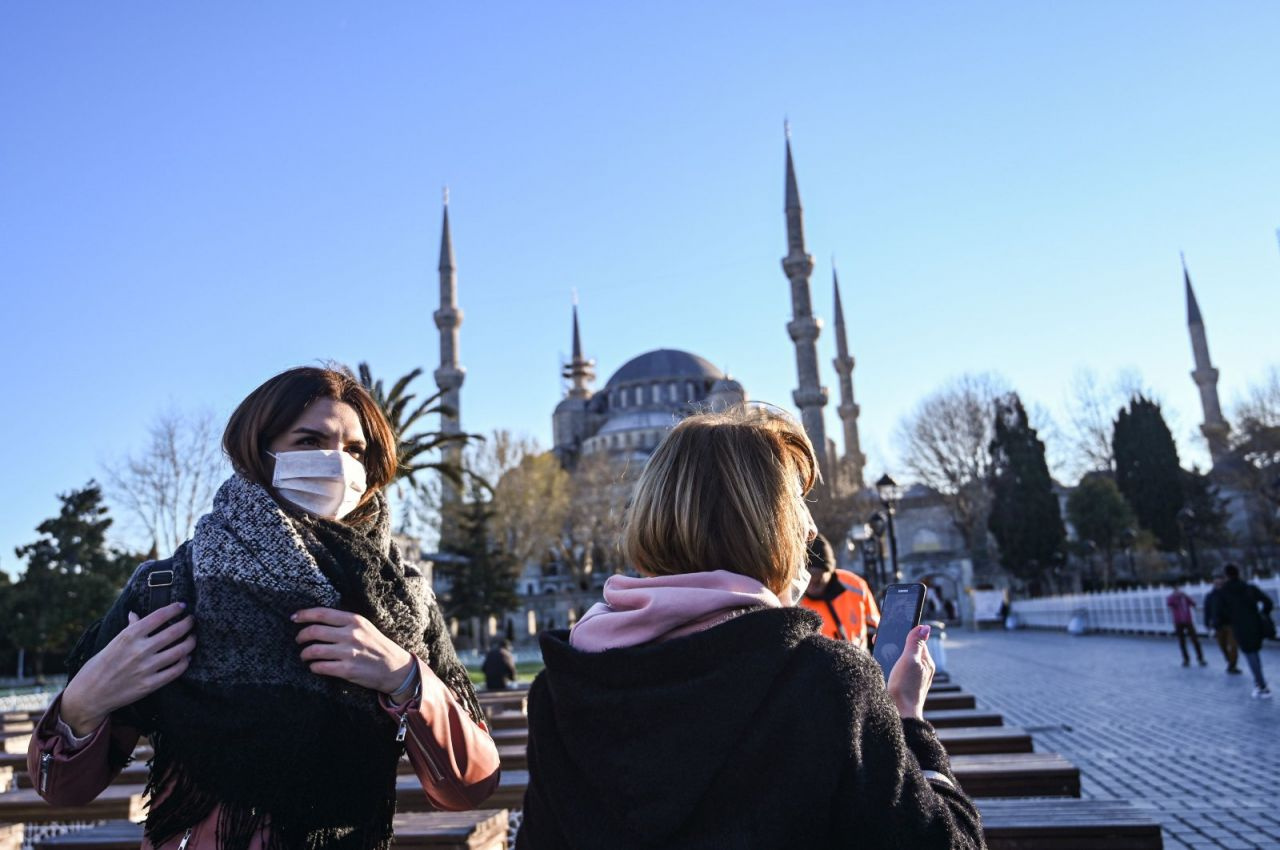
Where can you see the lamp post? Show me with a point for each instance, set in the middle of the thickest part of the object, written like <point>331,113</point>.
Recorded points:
<point>890,494</point>
<point>879,521</point>
<point>1186,521</point>
<point>1127,538</point>
<point>870,552</point>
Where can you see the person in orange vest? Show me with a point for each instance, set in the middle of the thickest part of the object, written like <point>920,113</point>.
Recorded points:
<point>841,598</point>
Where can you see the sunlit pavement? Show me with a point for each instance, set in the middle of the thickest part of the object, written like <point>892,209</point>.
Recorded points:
<point>1188,744</point>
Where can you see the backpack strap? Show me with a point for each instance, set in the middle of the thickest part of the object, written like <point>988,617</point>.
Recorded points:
<point>835,618</point>
<point>155,582</point>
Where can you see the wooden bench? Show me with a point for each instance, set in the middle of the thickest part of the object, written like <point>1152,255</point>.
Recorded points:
<point>14,742</point>
<point>509,794</point>
<point>113,835</point>
<point>483,829</point>
<point>951,718</point>
<point>479,830</point>
<point>979,740</point>
<point>1067,824</point>
<point>949,701</point>
<point>509,720</point>
<point>117,802</point>
<point>1017,775</point>
<point>11,835</point>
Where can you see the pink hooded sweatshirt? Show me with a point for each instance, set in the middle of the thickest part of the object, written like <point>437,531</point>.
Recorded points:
<point>655,608</point>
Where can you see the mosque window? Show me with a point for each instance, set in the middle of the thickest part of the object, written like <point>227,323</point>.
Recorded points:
<point>689,392</point>
<point>656,395</point>
<point>672,391</point>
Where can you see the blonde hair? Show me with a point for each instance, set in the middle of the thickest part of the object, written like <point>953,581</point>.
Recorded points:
<point>725,491</point>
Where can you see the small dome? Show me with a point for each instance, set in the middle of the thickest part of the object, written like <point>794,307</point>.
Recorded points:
<point>727,384</point>
<point>662,364</point>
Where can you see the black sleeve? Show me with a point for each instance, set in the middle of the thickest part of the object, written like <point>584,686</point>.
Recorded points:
<point>444,662</point>
<point>539,829</point>
<point>888,800</point>
<point>1264,598</point>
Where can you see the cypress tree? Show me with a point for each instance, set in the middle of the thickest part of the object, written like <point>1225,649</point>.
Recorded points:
<point>71,578</point>
<point>1147,469</point>
<point>1099,513</point>
<point>1025,518</point>
<point>483,579</point>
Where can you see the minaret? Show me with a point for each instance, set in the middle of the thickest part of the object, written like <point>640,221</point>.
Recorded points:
<point>579,371</point>
<point>1215,427</point>
<point>450,375</point>
<point>810,396</point>
<point>569,422</point>
<point>854,460</point>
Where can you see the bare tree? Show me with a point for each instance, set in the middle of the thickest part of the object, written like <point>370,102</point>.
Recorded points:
<point>1091,411</point>
<point>530,494</point>
<point>945,443</point>
<point>170,483</point>
<point>1091,414</point>
<point>1253,468</point>
<point>1260,406</point>
<point>598,493</point>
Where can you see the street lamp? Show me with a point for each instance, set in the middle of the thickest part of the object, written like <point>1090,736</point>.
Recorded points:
<point>1128,537</point>
<point>879,521</point>
<point>1186,521</point>
<point>869,548</point>
<point>890,494</point>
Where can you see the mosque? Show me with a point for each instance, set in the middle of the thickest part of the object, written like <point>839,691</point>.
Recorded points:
<point>627,417</point>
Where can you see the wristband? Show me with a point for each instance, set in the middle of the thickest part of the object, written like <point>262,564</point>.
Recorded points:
<point>405,685</point>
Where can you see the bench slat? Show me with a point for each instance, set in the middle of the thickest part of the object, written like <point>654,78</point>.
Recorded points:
<point>117,802</point>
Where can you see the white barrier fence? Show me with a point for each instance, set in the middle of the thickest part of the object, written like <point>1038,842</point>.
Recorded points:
<point>1141,609</point>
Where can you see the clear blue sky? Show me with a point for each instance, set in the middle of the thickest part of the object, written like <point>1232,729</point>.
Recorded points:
<point>194,197</point>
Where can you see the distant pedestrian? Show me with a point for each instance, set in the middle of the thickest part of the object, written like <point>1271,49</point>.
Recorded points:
<point>1184,625</point>
<point>841,598</point>
<point>1220,630</point>
<point>1240,603</point>
<point>499,667</point>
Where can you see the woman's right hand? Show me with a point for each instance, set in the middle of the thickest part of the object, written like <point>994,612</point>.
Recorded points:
<point>135,663</point>
<point>912,675</point>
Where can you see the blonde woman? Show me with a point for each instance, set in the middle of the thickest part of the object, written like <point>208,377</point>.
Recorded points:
<point>697,706</point>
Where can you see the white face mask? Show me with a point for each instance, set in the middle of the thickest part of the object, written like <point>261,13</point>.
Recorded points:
<point>799,585</point>
<point>323,482</point>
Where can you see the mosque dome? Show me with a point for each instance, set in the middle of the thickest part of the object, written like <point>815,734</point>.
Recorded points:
<point>663,364</point>
<point>727,384</point>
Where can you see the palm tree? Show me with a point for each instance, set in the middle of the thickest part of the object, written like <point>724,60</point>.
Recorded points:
<point>412,449</point>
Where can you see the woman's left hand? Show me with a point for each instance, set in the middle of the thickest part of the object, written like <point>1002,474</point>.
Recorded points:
<point>347,646</point>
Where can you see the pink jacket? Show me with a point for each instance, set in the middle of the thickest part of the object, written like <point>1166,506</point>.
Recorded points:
<point>454,758</point>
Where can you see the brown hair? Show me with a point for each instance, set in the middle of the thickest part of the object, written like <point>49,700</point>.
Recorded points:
<point>270,409</point>
<point>724,491</point>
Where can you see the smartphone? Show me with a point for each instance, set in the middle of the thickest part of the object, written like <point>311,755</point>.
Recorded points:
<point>900,612</point>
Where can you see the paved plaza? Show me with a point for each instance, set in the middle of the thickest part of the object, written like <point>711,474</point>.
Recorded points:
<point>1188,744</point>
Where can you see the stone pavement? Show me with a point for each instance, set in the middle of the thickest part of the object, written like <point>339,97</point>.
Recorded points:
<point>1188,744</point>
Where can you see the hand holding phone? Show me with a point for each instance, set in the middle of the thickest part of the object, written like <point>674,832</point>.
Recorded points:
<point>900,612</point>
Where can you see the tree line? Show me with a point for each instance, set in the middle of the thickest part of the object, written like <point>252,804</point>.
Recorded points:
<point>974,442</point>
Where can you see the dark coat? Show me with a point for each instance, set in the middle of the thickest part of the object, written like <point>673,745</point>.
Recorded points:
<point>1212,617</point>
<point>1239,609</point>
<point>757,733</point>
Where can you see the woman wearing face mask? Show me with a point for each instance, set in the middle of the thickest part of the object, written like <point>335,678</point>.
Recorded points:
<point>300,656</point>
<point>698,707</point>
